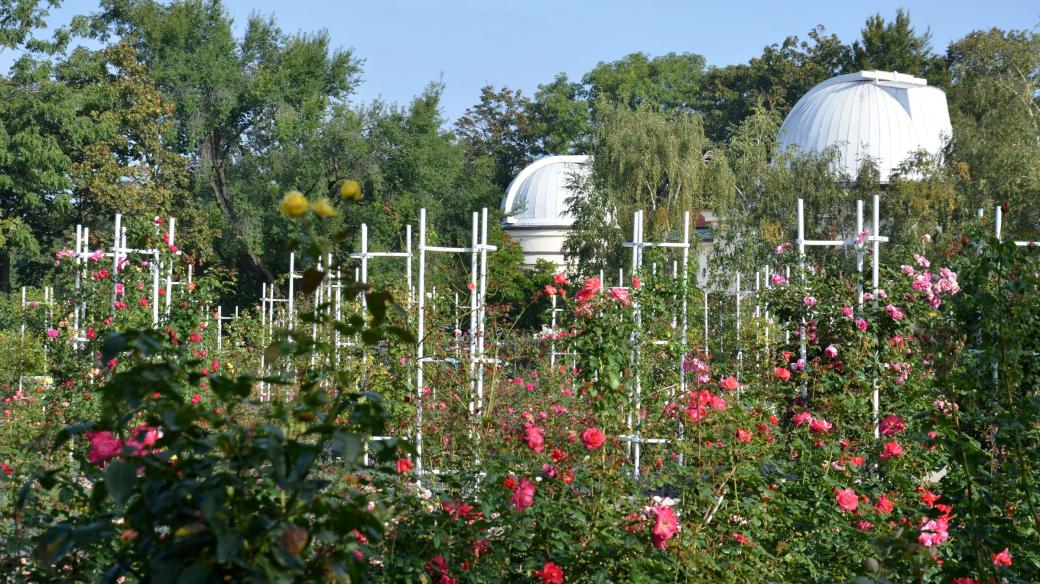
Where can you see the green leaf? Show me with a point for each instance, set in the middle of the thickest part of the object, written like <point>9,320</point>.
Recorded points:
<point>119,479</point>
<point>196,573</point>
<point>227,546</point>
<point>348,445</point>
<point>69,431</point>
<point>312,278</point>
<point>113,346</point>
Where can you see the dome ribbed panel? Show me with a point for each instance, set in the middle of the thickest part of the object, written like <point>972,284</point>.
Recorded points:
<point>537,197</point>
<point>873,114</point>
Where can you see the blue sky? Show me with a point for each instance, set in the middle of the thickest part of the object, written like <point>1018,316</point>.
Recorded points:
<point>522,43</point>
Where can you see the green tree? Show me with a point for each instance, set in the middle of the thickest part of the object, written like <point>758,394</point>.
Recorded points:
<point>34,183</point>
<point>19,19</point>
<point>994,97</point>
<point>645,159</point>
<point>670,81</point>
<point>125,165</point>
<point>565,111</point>
<point>895,46</point>
<point>767,186</point>
<point>234,98</point>
<point>32,163</point>
<point>500,127</point>
<point>562,117</point>
<point>776,80</point>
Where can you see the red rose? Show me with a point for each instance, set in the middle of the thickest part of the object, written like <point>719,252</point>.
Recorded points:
<point>593,438</point>
<point>550,574</point>
<point>403,465</point>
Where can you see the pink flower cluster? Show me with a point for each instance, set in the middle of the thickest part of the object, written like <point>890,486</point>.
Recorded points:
<point>701,403</point>
<point>698,368</point>
<point>929,286</point>
<point>588,290</point>
<point>816,425</point>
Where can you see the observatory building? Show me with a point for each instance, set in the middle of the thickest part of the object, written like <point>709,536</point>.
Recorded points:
<point>535,205</point>
<point>879,115</point>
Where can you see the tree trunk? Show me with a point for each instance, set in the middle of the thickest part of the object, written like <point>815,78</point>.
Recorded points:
<point>218,185</point>
<point>5,269</point>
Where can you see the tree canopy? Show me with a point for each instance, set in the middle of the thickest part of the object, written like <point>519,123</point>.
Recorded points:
<point>175,110</point>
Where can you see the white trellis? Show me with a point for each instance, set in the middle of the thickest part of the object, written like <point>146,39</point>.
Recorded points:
<point>220,318</point>
<point>857,242</point>
<point>268,301</point>
<point>120,253</point>
<point>638,244</point>
<point>478,250</point>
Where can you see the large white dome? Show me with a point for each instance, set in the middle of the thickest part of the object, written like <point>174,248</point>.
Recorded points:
<point>537,197</point>
<point>871,114</point>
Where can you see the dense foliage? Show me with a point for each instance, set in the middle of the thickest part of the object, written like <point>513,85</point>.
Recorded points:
<point>617,446</point>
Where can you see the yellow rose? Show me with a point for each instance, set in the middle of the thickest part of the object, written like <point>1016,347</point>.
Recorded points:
<point>350,190</point>
<point>322,208</point>
<point>294,204</point>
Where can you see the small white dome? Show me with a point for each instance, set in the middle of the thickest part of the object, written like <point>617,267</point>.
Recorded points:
<point>871,114</point>
<point>537,197</point>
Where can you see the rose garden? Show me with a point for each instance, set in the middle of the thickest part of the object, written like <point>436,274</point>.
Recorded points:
<point>775,321</point>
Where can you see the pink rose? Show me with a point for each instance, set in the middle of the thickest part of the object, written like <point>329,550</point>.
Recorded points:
<point>1002,559</point>
<point>862,325</point>
<point>831,351</point>
<point>895,312</point>
<point>665,526</point>
<point>847,499</point>
<point>820,426</point>
<point>103,446</point>
<point>142,438</point>
<point>933,532</point>
<point>891,425</point>
<point>534,437</point>
<point>621,295</point>
<point>891,449</point>
<point>884,505</point>
<point>523,494</point>
<point>809,301</point>
<point>550,574</point>
<point>588,290</point>
<point>802,418</point>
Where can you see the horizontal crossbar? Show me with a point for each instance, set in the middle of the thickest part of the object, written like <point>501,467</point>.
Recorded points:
<point>637,439</point>
<point>678,245</point>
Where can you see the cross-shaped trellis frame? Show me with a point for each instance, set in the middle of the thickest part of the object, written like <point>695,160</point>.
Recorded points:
<point>634,438</point>
<point>857,242</point>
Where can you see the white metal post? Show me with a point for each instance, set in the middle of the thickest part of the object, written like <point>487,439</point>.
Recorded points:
<point>875,395</point>
<point>172,232</point>
<point>482,313</point>
<point>115,256</point>
<point>292,288</point>
<point>801,267</point>
<point>474,277</point>
<point>420,342</point>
